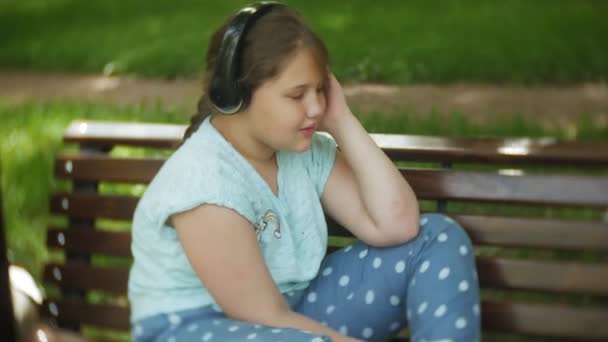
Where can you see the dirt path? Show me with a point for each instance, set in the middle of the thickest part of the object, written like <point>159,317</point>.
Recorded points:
<point>551,105</point>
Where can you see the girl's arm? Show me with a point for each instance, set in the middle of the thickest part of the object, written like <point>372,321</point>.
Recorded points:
<point>223,250</point>
<point>365,192</point>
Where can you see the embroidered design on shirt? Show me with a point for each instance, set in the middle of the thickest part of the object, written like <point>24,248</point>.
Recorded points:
<point>269,220</point>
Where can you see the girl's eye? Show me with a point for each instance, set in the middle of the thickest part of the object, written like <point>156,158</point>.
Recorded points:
<point>296,97</point>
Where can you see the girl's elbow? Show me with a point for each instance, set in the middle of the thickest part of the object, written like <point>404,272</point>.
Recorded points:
<point>406,229</point>
<point>396,234</point>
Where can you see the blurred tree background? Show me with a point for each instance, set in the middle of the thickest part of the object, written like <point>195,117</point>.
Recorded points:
<point>386,41</point>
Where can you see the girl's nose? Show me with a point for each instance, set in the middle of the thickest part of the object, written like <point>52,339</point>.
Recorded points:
<point>315,106</point>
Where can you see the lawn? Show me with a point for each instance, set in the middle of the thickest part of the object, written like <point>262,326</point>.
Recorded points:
<point>514,41</point>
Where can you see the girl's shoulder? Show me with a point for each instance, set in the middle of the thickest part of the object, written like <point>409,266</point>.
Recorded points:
<point>199,160</point>
<point>197,172</point>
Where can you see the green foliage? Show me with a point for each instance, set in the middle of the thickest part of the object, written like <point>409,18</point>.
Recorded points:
<point>30,138</point>
<point>396,41</point>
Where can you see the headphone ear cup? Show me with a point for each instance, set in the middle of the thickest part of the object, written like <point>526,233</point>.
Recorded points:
<point>226,93</point>
<point>244,94</point>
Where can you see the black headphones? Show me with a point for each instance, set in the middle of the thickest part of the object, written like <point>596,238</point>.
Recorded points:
<point>226,93</point>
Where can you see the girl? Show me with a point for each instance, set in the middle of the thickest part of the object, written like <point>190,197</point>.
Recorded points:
<point>229,239</point>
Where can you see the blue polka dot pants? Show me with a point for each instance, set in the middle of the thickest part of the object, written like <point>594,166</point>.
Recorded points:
<point>428,284</point>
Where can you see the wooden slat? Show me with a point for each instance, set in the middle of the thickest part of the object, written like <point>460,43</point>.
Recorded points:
<point>105,168</point>
<point>523,232</point>
<point>122,133</point>
<point>560,277</point>
<point>85,205</point>
<point>535,232</point>
<point>72,310</point>
<point>559,321</point>
<point>428,184</point>
<point>554,190</point>
<point>90,241</point>
<point>76,276</point>
<point>552,320</point>
<point>485,230</point>
<point>543,151</point>
<point>553,276</point>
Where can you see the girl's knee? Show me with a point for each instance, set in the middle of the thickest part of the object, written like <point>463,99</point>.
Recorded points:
<point>444,228</point>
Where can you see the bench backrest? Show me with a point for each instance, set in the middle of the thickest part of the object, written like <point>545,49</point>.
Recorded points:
<point>535,208</point>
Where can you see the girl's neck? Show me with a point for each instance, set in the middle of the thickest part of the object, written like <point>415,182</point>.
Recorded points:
<point>235,130</point>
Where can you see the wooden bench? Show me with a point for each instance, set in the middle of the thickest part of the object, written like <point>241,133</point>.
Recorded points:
<point>535,208</point>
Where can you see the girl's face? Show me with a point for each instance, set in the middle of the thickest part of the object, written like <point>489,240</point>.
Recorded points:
<point>286,110</point>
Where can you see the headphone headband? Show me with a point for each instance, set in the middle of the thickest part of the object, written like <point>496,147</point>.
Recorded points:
<point>225,92</point>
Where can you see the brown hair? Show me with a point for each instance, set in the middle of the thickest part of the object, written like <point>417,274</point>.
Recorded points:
<point>268,44</point>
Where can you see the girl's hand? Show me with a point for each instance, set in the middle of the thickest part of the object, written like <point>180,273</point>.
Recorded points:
<point>337,109</point>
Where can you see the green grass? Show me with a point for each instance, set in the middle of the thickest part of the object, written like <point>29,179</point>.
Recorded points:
<point>30,138</point>
<point>393,41</point>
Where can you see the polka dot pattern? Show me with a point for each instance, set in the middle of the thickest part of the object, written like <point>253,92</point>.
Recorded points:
<point>444,273</point>
<point>365,282</point>
<point>174,319</point>
<point>422,307</point>
<point>463,286</point>
<point>400,266</point>
<point>440,311</point>
<point>463,250</point>
<point>363,254</point>
<point>369,297</point>
<point>460,323</point>
<point>425,266</point>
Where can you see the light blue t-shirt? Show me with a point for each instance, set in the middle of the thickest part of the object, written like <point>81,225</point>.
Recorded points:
<point>291,227</point>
